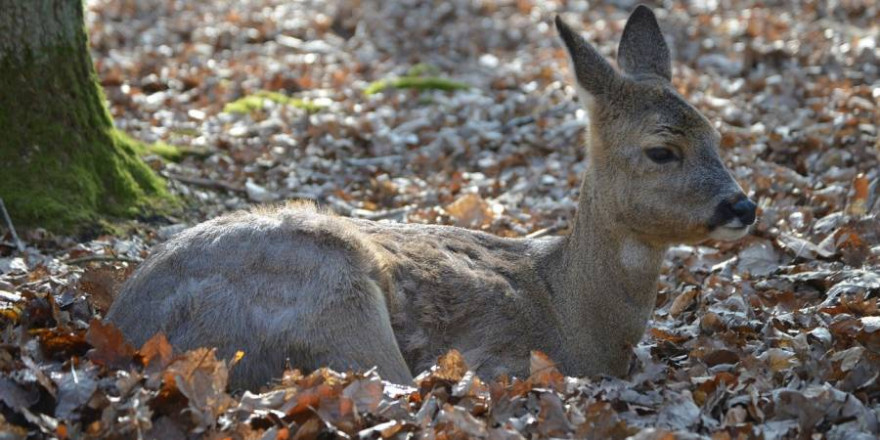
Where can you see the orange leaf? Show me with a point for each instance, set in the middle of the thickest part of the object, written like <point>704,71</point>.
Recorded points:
<point>61,431</point>
<point>110,348</point>
<point>858,203</point>
<point>450,366</point>
<point>157,349</point>
<point>663,335</point>
<point>470,211</point>
<point>544,373</point>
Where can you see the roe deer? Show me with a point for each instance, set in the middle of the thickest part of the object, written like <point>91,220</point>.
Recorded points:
<point>297,284</point>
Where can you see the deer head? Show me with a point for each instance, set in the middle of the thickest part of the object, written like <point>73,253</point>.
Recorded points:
<point>655,171</point>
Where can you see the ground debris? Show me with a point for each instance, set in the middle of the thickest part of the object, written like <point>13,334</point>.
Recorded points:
<point>775,336</point>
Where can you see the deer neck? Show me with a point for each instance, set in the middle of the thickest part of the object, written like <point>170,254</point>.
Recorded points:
<point>604,288</point>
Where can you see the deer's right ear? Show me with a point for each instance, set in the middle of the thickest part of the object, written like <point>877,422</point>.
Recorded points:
<point>593,74</point>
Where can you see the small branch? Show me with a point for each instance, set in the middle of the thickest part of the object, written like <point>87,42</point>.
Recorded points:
<point>18,243</point>
<point>396,213</point>
<point>546,231</point>
<point>380,160</point>
<point>342,207</point>
<point>94,258</point>
<point>198,181</point>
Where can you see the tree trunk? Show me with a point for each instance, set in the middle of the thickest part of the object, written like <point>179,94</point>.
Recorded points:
<point>62,163</point>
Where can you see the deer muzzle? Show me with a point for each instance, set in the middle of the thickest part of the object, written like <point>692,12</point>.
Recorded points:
<point>732,218</point>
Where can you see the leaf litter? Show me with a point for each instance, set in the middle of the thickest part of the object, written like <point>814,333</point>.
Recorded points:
<point>775,336</point>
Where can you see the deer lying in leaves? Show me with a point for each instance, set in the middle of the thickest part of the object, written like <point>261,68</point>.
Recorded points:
<point>297,285</point>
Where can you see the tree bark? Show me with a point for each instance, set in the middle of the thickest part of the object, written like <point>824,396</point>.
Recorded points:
<point>62,164</point>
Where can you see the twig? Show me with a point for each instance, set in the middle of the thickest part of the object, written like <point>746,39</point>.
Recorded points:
<point>380,160</point>
<point>94,258</point>
<point>202,360</point>
<point>381,215</point>
<point>18,243</point>
<point>198,181</point>
<point>342,207</point>
<point>546,231</point>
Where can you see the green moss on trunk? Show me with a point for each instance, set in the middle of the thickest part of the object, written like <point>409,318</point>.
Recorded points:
<point>63,165</point>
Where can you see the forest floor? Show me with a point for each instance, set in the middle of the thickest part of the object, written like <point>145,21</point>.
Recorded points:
<point>773,336</point>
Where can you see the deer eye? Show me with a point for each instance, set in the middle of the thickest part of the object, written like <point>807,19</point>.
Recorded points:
<point>661,154</point>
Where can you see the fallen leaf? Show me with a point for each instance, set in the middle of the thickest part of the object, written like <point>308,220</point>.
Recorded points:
<point>202,379</point>
<point>543,372</point>
<point>450,367</point>
<point>683,301</point>
<point>759,259</point>
<point>680,413</point>
<point>102,283</point>
<point>552,420</point>
<point>778,359</point>
<point>800,248</point>
<point>722,356</point>
<point>15,395</point>
<point>75,388</point>
<point>470,211</point>
<point>109,347</point>
<point>156,352</point>
<point>366,393</point>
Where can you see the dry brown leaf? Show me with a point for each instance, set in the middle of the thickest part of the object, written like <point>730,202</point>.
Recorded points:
<point>310,430</point>
<point>102,283</point>
<point>858,203</point>
<point>602,421</point>
<point>61,343</point>
<point>663,335</point>
<point>801,248</point>
<point>366,393</point>
<point>853,249</point>
<point>470,211</point>
<point>451,367</point>
<point>552,419</point>
<point>202,379</point>
<point>683,301</point>
<point>721,356</point>
<point>778,359</point>
<point>156,352</point>
<point>543,372</point>
<point>109,347</point>
<point>759,259</point>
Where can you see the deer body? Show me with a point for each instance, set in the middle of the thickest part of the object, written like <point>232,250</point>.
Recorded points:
<point>297,285</point>
<point>295,277</point>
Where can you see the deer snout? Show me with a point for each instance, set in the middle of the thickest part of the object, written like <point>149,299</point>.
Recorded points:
<point>740,208</point>
<point>732,217</point>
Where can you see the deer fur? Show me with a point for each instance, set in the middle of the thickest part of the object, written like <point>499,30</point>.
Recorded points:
<point>300,286</point>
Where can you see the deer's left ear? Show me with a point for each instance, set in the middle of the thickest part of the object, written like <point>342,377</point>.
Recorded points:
<point>642,50</point>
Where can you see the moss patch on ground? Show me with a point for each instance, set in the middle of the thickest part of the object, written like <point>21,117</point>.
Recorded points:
<point>257,101</point>
<point>171,153</point>
<point>420,77</point>
<point>415,82</point>
<point>165,151</point>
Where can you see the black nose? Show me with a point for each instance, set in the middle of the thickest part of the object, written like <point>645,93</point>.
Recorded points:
<point>740,207</point>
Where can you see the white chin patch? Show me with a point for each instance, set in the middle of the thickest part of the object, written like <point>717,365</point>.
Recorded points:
<point>732,230</point>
